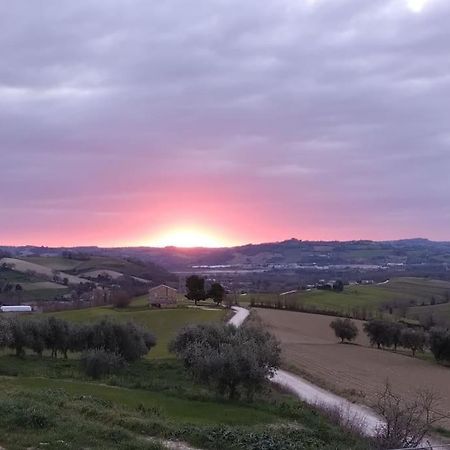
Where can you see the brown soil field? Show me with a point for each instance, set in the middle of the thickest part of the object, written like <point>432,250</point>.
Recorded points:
<point>357,371</point>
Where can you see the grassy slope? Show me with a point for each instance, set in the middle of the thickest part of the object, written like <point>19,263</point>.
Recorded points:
<point>21,265</point>
<point>52,402</point>
<point>162,322</point>
<point>93,263</point>
<point>369,297</point>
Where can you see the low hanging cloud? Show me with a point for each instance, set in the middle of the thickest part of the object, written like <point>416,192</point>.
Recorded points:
<point>111,107</point>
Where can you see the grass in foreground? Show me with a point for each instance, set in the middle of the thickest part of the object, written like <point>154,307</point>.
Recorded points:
<point>148,400</point>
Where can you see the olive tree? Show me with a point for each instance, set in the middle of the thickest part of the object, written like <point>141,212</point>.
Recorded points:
<point>344,329</point>
<point>228,358</point>
<point>413,340</point>
<point>5,332</point>
<point>439,342</point>
<point>376,331</point>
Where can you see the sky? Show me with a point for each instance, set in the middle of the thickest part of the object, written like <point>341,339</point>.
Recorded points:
<point>219,122</point>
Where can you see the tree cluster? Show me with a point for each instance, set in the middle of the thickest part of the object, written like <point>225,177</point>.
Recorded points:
<point>196,290</point>
<point>386,334</point>
<point>126,339</point>
<point>228,358</point>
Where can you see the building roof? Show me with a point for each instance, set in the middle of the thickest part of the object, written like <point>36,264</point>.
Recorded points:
<point>160,286</point>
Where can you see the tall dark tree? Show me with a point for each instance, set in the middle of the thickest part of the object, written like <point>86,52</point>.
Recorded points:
<point>217,293</point>
<point>195,286</point>
<point>338,286</point>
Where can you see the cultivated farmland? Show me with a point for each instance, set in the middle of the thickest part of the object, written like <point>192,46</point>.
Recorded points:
<point>356,371</point>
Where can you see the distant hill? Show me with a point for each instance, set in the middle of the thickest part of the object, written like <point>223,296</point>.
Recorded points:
<point>293,251</point>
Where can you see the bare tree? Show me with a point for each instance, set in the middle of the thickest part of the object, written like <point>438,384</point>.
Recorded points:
<point>406,422</point>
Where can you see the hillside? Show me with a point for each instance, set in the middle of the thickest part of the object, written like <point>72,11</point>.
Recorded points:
<point>56,278</point>
<point>292,251</point>
<point>150,404</point>
<point>411,297</point>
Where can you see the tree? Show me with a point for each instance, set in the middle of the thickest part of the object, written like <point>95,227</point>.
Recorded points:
<point>18,340</point>
<point>412,339</point>
<point>5,332</point>
<point>57,338</point>
<point>226,357</point>
<point>36,331</point>
<point>217,293</point>
<point>126,339</point>
<point>440,343</point>
<point>120,298</point>
<point>344,329</point>
<point>195,286</point>
<point>405,422</point>
<point>338,286</point>
<point>378,332</point>
<point>395,331</point>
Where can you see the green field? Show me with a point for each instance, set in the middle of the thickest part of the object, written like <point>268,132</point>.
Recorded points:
<point>57,408</point>
<point>163,323</point>
<point>369,298</point>
<point>440,313</point>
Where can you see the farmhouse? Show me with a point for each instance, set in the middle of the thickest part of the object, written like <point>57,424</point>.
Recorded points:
<point>162,296</point>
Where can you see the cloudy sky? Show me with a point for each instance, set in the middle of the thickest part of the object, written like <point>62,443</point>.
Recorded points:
<point>134,122</point>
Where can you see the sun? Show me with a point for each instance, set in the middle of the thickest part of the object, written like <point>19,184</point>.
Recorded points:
<point>186,238</point>
<point>416,5</point>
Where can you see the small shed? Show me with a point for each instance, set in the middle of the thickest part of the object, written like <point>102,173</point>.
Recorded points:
<point>162,296</point>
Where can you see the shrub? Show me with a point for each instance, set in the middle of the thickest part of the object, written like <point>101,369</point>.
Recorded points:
<point>344,329</point>
<point>98,363</point>
<point>226,357</point>
<point>24,413</point>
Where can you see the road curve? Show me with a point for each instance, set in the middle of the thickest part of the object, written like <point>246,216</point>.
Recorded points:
<point>368,419</point>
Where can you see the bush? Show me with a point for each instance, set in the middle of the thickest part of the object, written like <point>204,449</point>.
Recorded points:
<point>98,363</point>
<point>24,413</point>
<point>344,329</point>
<point>226,357</point>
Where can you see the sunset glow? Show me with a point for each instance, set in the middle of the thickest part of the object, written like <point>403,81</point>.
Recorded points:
<point>186,238</point>
<point>223,124</point>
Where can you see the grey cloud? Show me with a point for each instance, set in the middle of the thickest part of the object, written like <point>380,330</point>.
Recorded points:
<point>353,91</point>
